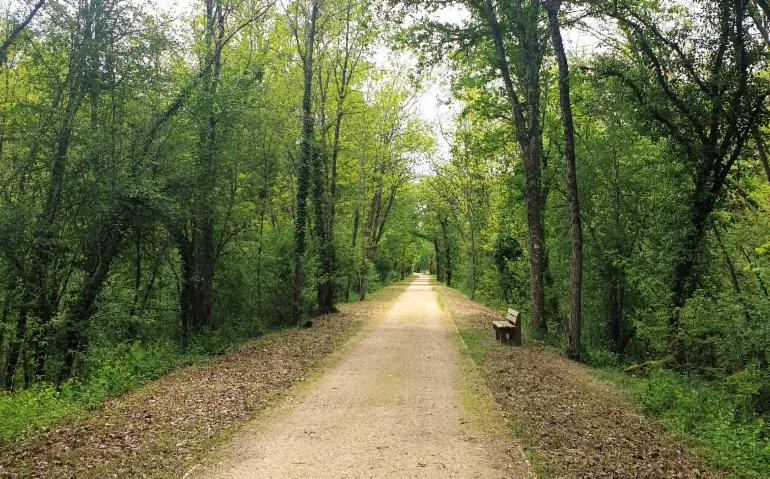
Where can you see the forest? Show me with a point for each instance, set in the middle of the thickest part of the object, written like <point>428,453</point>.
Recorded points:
<point>172,184</point>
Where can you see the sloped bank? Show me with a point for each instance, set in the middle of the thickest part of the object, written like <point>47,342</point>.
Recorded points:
<point>571,424</point>
<point>163,428</point>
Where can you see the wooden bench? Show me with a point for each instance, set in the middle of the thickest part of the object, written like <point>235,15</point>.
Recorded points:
<point>509,329</point>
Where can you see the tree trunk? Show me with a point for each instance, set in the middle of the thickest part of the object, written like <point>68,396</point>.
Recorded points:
<point>762,151</point>
<point>685,273</point>
<point>204,250</point>
<point>576,228</point>
<point>14,354</point>
<point>473,263</point>
<point>353,241</point>
<point>528,136</point>
<point>99,258</point>
<point>186,288</point>
<point>733,274</point>
<point>13,34</point>
<point>447,252</point>
<point>306,158</point>
<point>321,201</point>
<point>615,306</point>
<point>439,269</point>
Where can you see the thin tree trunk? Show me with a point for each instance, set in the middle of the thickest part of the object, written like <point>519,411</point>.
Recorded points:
<point>473,262</point>
<point>353,241</point>
<point>14,354</point>
<point>733,274</point>
<point>437,252</point>
<point>576,228</point>
<point>685,273</point>
<point>18,29</point>
<point>101,253</point>
<point>447,252</point>
<point>762,151</point>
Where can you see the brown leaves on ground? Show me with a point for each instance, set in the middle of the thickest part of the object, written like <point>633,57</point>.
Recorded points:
<point>574,426</point>
<point>163,428</point>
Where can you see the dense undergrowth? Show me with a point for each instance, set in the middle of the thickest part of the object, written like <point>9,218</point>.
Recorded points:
<point>714,416</point>
<point>114,371</point>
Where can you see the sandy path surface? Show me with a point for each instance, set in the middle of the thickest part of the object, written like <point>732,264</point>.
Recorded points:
<point>392,407</point>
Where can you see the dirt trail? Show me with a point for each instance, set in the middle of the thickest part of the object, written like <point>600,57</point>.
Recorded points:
<point>393,407</point>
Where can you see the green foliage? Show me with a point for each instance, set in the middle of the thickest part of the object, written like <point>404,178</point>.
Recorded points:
<point>710,414</point>
<point>601,358</point>
<point>111,372</point>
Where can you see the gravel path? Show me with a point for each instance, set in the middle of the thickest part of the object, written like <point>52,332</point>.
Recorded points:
<point>394,406</point>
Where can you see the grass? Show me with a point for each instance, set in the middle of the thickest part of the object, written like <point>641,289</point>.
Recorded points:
<point>114,371</point>
<point>705,416</point>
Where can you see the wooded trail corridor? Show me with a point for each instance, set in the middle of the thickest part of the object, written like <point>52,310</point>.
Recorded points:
<point>272,239</point>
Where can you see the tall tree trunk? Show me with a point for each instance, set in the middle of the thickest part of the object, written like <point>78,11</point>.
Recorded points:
<point>439,268</point>
<point>528,136</point>
<point>576,228</point>
<point>326,292</point>
<point>762,151</point>
<point>306,158</point>
<point>473,262</point>
<point>264,193</point>
<point>204,251</point>
<point>99,258</point>
<point>16,346</point>
<point>44,285</point>
<point>685,278</point>
<point>13,34</point>
<point>186,288</point>
<point>447,252</point>
<point>321,201</point>
<point>732,273</point>
<point>353,241</point>
<point>616,298</point>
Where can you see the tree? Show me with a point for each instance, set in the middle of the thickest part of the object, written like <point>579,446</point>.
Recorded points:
<point>309,155</point>
<point>706,100</point>
<point>576,228</point>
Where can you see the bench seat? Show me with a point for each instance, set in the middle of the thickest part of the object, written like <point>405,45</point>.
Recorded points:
<point>508,329</point>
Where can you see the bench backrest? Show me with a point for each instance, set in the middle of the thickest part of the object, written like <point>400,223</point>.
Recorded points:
<point>512,316</point>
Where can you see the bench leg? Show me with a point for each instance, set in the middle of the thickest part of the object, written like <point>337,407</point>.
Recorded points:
<point>497,334</point>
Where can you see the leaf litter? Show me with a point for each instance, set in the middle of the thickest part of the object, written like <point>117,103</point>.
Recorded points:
<point>162,429</point>
<point>572,424</point>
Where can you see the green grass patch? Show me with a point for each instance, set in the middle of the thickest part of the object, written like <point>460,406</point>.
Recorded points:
<point>706,415</point>
<point>112,372</point>
<point>477,342</point>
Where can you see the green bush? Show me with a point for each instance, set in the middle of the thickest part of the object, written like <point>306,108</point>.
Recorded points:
<point>110,372</point>
<point>601,358</point>
<point>32,409</point>
<point>710,414</point>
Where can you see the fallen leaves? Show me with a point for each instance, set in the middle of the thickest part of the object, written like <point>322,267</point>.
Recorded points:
<point>574,425</point>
